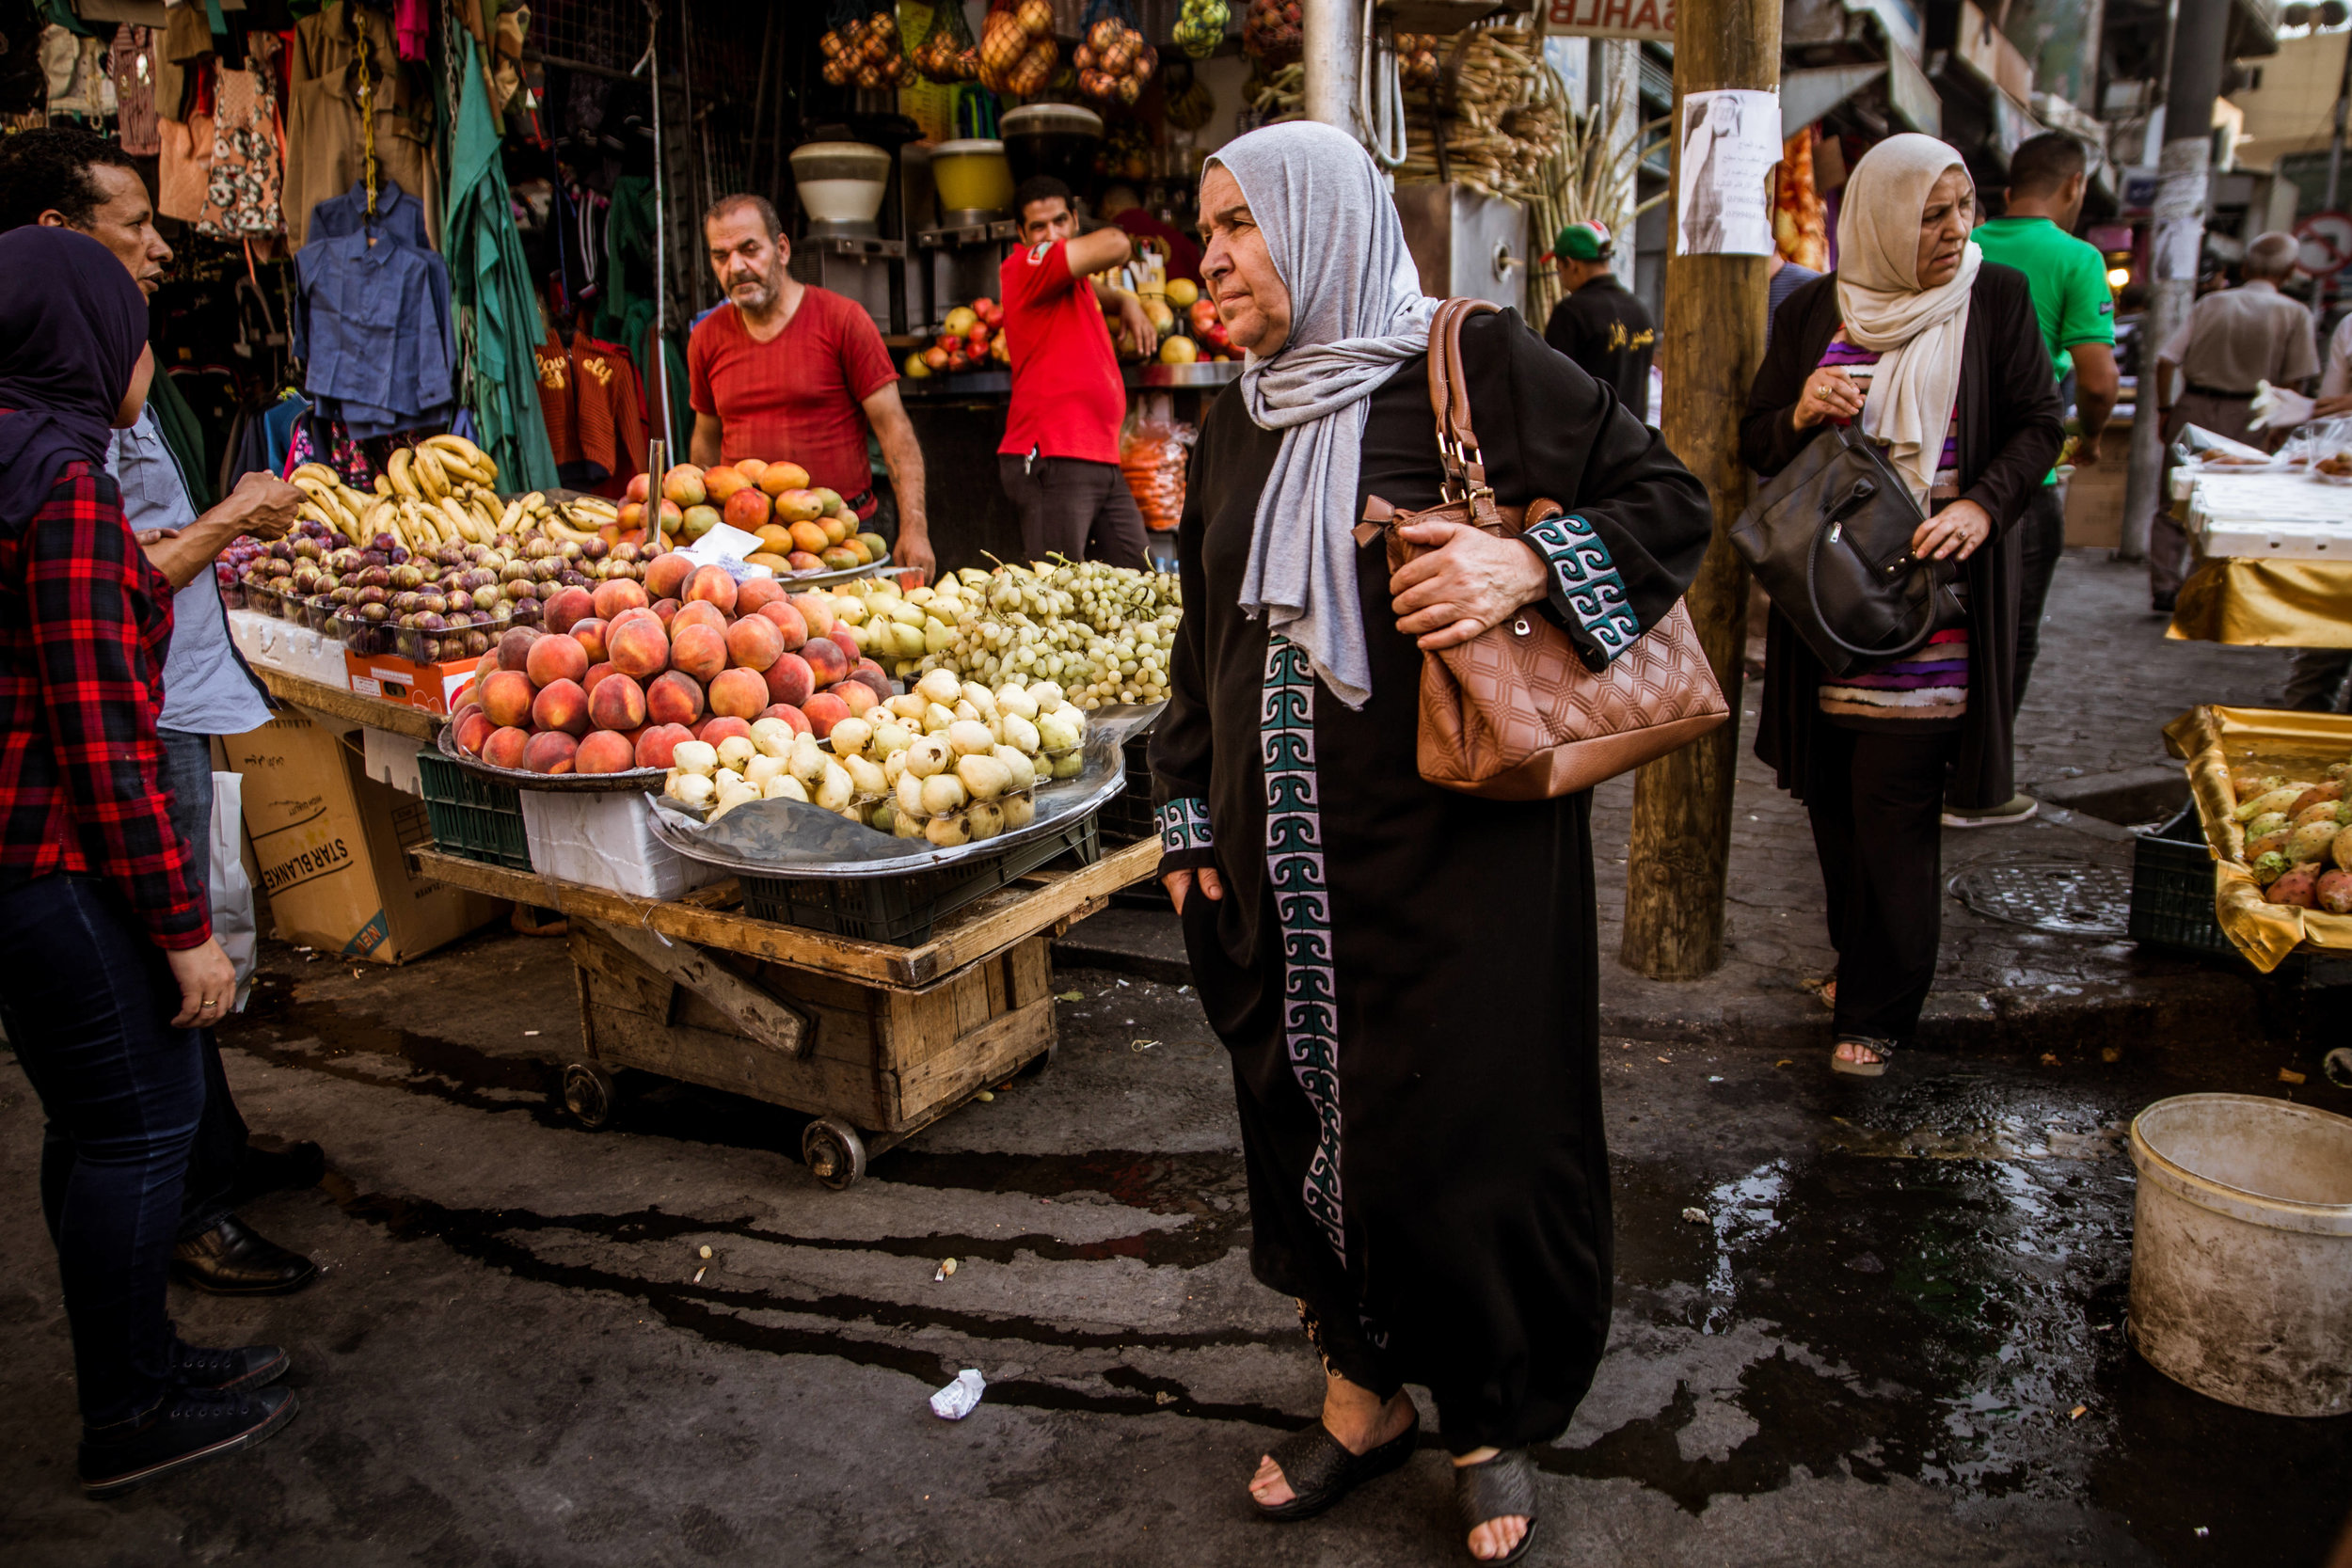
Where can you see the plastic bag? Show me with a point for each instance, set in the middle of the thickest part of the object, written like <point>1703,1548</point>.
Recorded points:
<point>2279,407</point>
<point>231,891</point>
<point>1152,453</point>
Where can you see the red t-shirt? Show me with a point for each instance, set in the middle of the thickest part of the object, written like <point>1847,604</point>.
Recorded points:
<point>794,398</point>
<point>1068,399</point>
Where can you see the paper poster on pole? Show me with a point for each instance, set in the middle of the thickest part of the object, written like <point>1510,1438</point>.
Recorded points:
<point>1731,141</point>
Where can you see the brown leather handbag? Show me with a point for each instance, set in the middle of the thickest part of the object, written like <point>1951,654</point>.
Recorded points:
<point>1514,714</point>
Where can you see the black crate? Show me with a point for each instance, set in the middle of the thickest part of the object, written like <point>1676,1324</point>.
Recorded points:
<point>902,909</point>
<point>1128,817</point>
<point>472,817</point>
<point>2172,889</point>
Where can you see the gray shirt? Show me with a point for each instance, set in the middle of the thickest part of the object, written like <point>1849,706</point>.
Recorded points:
<point>2237,336</point>
<point>206,691</point>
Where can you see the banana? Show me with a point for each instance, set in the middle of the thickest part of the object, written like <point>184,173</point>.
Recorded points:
<point>319,472</point>
<point>396,473</point>
<point>512,515</point>
<point>464,521</point>
<point>467,454</point>
<point>424,466</point>
<point>310,510</point>
<point>383,486</point>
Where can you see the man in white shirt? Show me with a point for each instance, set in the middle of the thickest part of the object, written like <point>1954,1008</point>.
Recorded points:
<point>2335,381</point>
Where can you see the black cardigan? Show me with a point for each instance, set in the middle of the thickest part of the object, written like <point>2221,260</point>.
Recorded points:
<point>2010,428</point>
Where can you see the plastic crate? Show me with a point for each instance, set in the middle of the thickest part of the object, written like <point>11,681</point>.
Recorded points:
<point>2172,888</point>
<point>1127,816</point>
<point>472,817</point>
<point>902,909</point>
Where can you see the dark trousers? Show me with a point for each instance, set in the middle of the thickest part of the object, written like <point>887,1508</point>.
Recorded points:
<point>2040,540</point>
<point>1877,805</point>
<point>221,1135</point>
<point>88,1001</point>
<point>2318,674</point>
<point>1074,508</point>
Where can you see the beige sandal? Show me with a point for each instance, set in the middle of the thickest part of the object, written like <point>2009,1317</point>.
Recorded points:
<point>1881,1049</point>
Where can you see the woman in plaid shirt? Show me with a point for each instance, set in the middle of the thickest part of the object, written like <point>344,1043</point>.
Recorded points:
<point>107,962</point>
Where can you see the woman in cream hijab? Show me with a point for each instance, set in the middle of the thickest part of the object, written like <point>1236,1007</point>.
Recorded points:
<point>1937,354</point>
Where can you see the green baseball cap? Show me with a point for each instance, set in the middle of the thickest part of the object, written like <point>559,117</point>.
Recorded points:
<point>1579,242</point>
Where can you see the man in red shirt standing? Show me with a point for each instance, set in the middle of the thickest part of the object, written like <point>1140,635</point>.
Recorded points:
<point>788,373</point>
<point>1060,460</point>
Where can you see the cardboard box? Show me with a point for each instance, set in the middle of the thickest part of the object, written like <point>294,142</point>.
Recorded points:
<point>330,845</point>
<point>431,687</point>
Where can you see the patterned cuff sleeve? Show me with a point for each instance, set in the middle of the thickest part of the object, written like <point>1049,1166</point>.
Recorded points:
<point>1184,838</point>
<point>1588,597</point>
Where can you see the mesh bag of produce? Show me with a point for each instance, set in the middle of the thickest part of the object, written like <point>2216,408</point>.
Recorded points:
<point>1115,62</point>
<point>1270,33</point>
<point>1152,453</point>
<point>863,50</point>
<point>1201,27</point>
<point>948,53</point>
<point>1017,52</point>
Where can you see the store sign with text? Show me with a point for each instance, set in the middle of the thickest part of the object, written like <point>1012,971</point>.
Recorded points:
<point>1612,19</point>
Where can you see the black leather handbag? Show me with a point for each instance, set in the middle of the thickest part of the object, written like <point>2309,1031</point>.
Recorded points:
<point>1828,537</point>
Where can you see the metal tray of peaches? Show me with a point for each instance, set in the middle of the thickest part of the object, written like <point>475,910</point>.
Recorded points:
<point>636,779</point>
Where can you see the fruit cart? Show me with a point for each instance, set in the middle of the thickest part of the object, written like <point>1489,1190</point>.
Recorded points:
<point>875,1040</point>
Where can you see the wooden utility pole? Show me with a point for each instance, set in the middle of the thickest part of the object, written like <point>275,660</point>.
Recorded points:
<point>1712,341</point>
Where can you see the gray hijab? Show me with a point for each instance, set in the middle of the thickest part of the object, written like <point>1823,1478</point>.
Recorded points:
<point>1356,312</point>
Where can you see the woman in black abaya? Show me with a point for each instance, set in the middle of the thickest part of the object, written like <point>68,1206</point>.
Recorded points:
<point>1406,976</point>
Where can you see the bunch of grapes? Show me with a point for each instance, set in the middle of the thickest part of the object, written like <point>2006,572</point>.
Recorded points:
<point>1105,634</point>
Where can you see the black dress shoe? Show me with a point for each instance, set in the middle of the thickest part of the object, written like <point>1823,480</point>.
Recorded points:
<point>186,1429</point>
<point>231,1260</point>
<point>237,1370</point>
<point>288,1170</point>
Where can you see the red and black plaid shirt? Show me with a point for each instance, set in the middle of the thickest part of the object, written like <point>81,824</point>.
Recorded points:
<point>85,623</point>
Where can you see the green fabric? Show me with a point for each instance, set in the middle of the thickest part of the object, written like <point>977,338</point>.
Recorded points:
<point>625,317</point>
<point>491,285</point>
<point>2068,280</point>
<point>60,12</point>
<point>183,435</point>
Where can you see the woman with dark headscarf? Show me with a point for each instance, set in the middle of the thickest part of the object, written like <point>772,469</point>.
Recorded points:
<point>1938,351</point>
<point>107,962</point>
<point>1405,976</point>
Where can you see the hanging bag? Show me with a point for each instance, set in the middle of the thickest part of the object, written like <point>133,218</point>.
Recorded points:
<point>1829,539</point>
<point>1514,714</point>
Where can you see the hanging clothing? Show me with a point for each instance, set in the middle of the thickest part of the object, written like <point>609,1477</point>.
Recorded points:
<point>242,190</point>
<point>325,133</point>
<point>372,321</point>
<point>184,170</point>
<point>1418,1092</point>
<point>594,408</point>
<point>132,64</point>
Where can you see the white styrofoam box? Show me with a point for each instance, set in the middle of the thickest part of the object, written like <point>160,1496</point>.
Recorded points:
<point>392,759</point>
<point>293,650</point>
<point>606,840</point>
<point>2285,516</point>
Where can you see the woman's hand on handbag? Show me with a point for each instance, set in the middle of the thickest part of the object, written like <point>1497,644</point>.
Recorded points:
<point>208,983</point>
<point>1180,883</point>
<point>1829,393</point>
<point>1465,581</point>
<point>1955,531</point>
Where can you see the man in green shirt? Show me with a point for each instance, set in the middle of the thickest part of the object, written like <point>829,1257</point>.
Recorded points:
<point>2076,309</point>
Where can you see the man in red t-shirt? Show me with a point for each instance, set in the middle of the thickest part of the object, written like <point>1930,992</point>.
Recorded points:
<point>1060,460</point>
<point>788,373</point>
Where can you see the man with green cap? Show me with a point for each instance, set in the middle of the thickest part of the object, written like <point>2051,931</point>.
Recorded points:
<point>1599,323</point>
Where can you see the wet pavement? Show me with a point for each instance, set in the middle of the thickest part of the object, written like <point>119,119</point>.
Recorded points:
<point>1854,1322</point>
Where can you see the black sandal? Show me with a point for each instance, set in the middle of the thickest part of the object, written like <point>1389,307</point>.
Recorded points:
<point>1502,1487</point>
<point>1321,1471</point>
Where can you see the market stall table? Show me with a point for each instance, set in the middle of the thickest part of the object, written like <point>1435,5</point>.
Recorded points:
<point>2274,561</point>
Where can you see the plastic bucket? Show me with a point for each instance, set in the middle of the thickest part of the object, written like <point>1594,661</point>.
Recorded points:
<point>2242,1251</point>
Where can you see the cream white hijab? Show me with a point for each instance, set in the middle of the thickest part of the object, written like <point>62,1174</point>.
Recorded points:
<point>1915,332</point>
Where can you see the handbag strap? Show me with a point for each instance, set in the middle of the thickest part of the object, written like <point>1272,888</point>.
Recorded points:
<point>1449,399</point>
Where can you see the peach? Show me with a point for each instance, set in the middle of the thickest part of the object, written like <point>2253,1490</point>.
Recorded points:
<point>640,613</point>
<point>754,592</point>
<point>789,679</point>
<point>753,642</point>
<point>550,751</point>
<point>674,698</point>
<point>604,752</point>
<point>506,698</point>
<point>776,477</point>
<point>790,714</point>
<point>788,620</point>
<point>714,730</point>
<point>665,609</point>
<point>699,613</point>
<point>817,610</point>
<point>845,635</point>
<point>595,673</point>
<point>826,661</point>
<point>640,648</point>
<point>684,486</point>
<point>570,605</point>
<point>866,666</point>
<point>557,657</point>
<point>741,694</point>
<point>746,509</point>
<point>824,711</point>
<point>698,650</point>
<point>666,574</point>
<point>808,537</point>
<point>721,483</point>
<point>514,649</point>
<point>561,705</point>
<point>657,743</point>
<point>505,747</point>
<point>617,703</point>
<point>872,680</point>
<point>712,584</point>
<point>640,487</point>
<point>855,692</point>
<point>614,595</point>
<point>472,730</point>
<point>590,634</point>
<point>750,469</point>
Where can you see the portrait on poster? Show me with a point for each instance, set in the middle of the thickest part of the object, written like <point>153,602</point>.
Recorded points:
<point>1731,141</point>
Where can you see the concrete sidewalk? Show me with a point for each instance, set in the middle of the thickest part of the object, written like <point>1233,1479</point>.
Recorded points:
<point>2106,683</point>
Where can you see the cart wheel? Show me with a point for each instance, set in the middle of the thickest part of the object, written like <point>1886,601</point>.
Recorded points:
<point>834,1152</point>
<point>590,1094</point>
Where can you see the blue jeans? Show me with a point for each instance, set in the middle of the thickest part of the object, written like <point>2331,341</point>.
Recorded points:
<point>221,1135</point>
<point>88,1001</point>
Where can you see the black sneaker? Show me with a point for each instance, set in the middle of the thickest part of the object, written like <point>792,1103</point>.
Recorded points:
<point>238,1370</point>
<point>188,1427</point>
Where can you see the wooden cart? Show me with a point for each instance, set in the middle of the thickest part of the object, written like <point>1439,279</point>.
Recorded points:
<point>875,1041</point>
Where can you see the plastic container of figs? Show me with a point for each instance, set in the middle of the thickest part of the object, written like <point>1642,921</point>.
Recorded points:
<point>377,639</point>
<point>232,594</point>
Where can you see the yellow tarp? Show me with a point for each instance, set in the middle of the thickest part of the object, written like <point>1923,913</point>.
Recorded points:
<point>2213,740</point>
<point>2272,603</point>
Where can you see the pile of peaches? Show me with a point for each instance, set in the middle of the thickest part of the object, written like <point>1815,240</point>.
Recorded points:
<point>614,678</point>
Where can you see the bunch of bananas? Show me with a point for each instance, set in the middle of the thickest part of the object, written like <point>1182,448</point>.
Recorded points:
<point>572,522</point>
